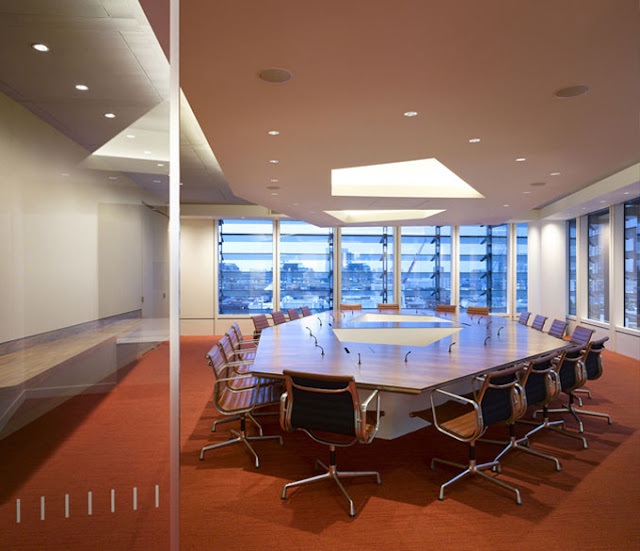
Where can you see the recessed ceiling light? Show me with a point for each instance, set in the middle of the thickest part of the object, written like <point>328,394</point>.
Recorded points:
<point>110,115</point>
<point>571,91</point>
<point>113,177</point>
<point>505,205</point>
<point>274,161</point>
<point>474,140</point>
<point>603,201</point>
<point>273,187</point>
<point>160,164</point>
<point>275,193</point>
<point>275,75</point>
<point>82,87</point>
<point>157,181</point>
<point>626,193</point>
<point>526,192</point>
<point>181,184</point>
<point>273,180</point>
<point>521,159</point>
<point>424,178</point>
<point>410,114</point>
<point>147,152</point>
<point>554,174</point>
<point>40,47</point>
<point>273,132</point>
<point>130,136</point>
<point>64,174</point>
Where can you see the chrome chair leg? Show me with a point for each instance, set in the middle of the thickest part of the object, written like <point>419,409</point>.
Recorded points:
<point>584,391</point>
<point>521,444</point>
<point>552,425</point>
<point>606,416</point>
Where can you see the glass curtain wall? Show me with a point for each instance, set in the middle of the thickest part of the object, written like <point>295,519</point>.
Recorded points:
<point>306,266</point>
<point>84,284</point>
<point>521,268</point>
<point>572,266</point>
<point>631,264</point>
<point>245,266</point>
<point>598,266</point>
<point>367,265</point>
<point>483,267</point>
<point>426,266</point>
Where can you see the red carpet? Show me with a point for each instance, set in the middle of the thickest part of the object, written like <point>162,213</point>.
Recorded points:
<point>119,441</point>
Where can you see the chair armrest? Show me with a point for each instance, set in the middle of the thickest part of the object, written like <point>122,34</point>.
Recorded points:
<point>462,400</point>
<point>254,388</point>
<point>363,415</point>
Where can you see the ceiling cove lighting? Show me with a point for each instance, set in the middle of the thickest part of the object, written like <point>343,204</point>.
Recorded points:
<point>363,216</point>
<point>424,178</point>
<point>40,47</point>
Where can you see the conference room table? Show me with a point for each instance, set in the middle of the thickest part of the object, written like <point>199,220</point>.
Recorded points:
<point>404,354</point>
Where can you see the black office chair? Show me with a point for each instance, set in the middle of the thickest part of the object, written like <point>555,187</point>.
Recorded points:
<point>237,395</point>
<point>543,386</point>
<point>500,399</point>
<point>327,408</point>
<point>522,444</point>
<point>524,318</point>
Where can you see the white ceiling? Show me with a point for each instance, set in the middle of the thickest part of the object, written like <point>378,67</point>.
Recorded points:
<point>470,69</point>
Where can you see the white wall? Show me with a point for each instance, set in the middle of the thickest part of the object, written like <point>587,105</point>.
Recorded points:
<point>72,240</point>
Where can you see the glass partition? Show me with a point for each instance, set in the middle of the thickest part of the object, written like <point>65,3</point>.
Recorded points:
<point>84,385</point>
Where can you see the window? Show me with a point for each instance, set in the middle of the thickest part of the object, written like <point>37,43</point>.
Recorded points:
<point>306,266</point>
<point>571,266</point>
<point>426,266</point>
<point>598,271</point>
<point>245,269</point>
<point>367,265</point>
<point>521,268</point>
<point>483,267</point>
<point>631,264</point>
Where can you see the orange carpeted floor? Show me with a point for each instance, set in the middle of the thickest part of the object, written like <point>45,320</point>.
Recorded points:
<point>119,441</point>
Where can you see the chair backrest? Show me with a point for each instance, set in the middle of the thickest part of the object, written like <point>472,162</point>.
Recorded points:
<point>478,310</point>
<point>571,368</point>
<point>388,306</point>
<point>538,322</point>
<point>593,361</point>
<point>278,317</point>
<point>581,335</point>
<point>501,397</point>
<point>233,339</point>
<point>305,311</point>
<point>350,306</point>
<point>225,346</point>
<point>217,362</point>
<point>558,328</point>
<point>260,322</point>
<point>542,384</point>
<point>293,314</point>
<point>324,404</point>
<point>524,318</point>
<point>446,308</point>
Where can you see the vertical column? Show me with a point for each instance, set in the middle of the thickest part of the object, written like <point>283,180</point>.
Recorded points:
<point>276,265</point>
<point>216,264</point>
<point>511,270</point>
<point>397,265</point>
<point>337,267</point>
<point>582,268</point>
<point>455,266</point>
<point>616,271</point>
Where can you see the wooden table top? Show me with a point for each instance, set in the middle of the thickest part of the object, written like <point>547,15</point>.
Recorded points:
<point>377,360</point>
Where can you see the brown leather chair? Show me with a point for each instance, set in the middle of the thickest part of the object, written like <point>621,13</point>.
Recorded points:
<point>524,318</point>
<point>305,311</point>
<point>278,317</point>
<point>451,308</point>
<point>350,306</point>
<point>293,314</point>
<point>388,306</point>
<point>538,322</point>
<point>328,409</point>
<point>557,329</point>
<point>499,399</point>
<point>245,343</point>
<point>237,395</point>
<point>478,310</point>
<point>260,322</point>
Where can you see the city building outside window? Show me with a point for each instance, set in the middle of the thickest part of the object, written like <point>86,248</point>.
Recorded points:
<point>598,266</point>
<point>631,263</point>
<point>521,268</point>
<point>572,266</point>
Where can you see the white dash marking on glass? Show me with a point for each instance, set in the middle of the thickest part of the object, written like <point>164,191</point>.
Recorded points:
<point>135,498</point>
<point>157,496</point>
<point>41,507</point>
<point>66,505</point>
<point>90,503</point>
<point>17,511</point>
<point>113,500</point>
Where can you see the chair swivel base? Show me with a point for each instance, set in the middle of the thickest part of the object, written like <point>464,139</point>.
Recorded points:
<point>240,437</point>
<point>576,412</point>
<point>521,444</point>
<point>472,469</point>
<point>554,426</point>
<point>250,416</point>
<point>332,473</point>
